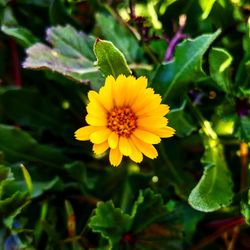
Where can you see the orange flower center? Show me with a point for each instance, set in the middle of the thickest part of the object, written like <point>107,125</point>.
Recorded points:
<point>122,120</point>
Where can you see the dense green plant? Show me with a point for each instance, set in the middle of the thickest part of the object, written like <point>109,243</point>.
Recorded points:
<point>55,193</point>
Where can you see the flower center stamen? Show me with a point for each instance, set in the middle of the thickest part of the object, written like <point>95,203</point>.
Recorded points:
<point>122,120</point>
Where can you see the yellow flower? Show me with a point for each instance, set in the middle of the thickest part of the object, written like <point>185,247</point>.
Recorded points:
<point>126,117</point>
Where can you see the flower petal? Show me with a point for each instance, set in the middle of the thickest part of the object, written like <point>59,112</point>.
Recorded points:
<point>96,109</point>
<point>159,110</point>
<point>136,89</point>
<point>129,90</point>
<point>83,134</point>
<point>100,136</point>
<point>147,149</point>
<point>165,132</point>
<point>152,122</point>
<point>113,140</point>
<point>147,136</point>
<point>120,90</point>
<point>143,100</point>
<point>94,97</point>
<point>124,146</point>
<point>106,93</point>
<point>115,157</point>
<point>152,102</point>
<point>100,148</point>
<point>135,155</point>
<point>96,121</point>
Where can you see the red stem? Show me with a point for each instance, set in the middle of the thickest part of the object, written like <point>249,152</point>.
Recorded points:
<point>226,222</point>
<point>132,9</point>
<point>225,227</point>
<point>16,63</point>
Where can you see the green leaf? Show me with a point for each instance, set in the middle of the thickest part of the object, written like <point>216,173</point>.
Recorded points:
<point>215,188</point>
<point>244,92</point>
<point>43,185</point>
<point>21,106</point>
<point>57,12</point>
<point>72,43</point>
<point>206,6</point>
<point>11,28</point>
<point>242,128</point>
<point>5,173</point>
<point>3,3</point>
<point>242,74</point>
<point>219,63</point>
<point>71,222</point>
<point>6,176</point>
<point>188,218</point>
<point>79,172</point>
<point>109,59</point>
<point>181,121</point>
<point>40,3</point>
<point>245,209</point>
<point>27,178</point>
<point>110,222</point>
<point>18,145</point>
<point>223,118</point>
<point>172,77</point>
<point>71,55</point>
<point>12,201</point>
<point>13,206</point>
<point>147,209</point>
<point>118,35</point>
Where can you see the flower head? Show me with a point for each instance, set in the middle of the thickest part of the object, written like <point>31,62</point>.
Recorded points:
<point>126,117</point>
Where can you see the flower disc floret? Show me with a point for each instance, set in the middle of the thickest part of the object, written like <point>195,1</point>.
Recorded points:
<point>127,118</point>
<point>122,121</point>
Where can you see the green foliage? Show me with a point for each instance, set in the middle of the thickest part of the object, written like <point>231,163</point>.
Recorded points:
<point>242,128</point>
<point>44,116</point>
<point>181,121</point>
<point>214,189</point>
<point>72,55</point>
<point>147,210</point>
<point>219,62</point>
<point>245,208</point>
<point>10,27</point>
<point>113,32</point>
<point>121,228</point>
<point>27,178</point>
<point>111,222</point>
<point>16,145</point>
<point>206,7</point>
<point>55,193</point>
<point>186,66</point>
<point>12,200</point>
<point>109,59</point>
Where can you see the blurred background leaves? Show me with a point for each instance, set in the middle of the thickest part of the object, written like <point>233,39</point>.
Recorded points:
<point>78,201</point>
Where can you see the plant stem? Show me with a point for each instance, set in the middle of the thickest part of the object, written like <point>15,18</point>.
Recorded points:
<point>205,125</point>
<point>212,237</point>
<point>174,175</point>
<point>244,169</point>
<point>231,237</point>
<point>141,66</point>
<point>88,199</point>
<point>132,9</point>
<point>176,39</point>
<point>16,63</point>
<point>133,32</point>
<point>169,163</point>
<point>126,190</point>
